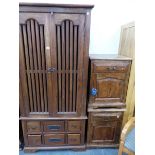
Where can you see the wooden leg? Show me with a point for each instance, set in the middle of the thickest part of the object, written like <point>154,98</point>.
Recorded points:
<point>120,151</point>
<point>30,150</point>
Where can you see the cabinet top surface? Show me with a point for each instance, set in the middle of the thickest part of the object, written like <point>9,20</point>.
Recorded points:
<point>108,57</point>
<point>57,5</point>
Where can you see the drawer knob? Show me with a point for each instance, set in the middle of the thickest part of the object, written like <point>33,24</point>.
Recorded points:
<point>93,92</point>
<point>55,140</point>
<point>54,127</point>
<point>112,68</point>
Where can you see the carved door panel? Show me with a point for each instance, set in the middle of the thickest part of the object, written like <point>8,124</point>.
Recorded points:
<point>67,40</point>
<point>110,87</point>
<point>104,128</point>
<point>34,60</point>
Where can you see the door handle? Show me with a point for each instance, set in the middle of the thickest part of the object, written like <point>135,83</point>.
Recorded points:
<point>93,91</point>
<point>52,69</point>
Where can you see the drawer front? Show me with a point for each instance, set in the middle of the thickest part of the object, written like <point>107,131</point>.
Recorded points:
<point>54,139</point>
<point>109,116</point>
<point>54,126</point>
<point>74,139</point>
<point>34,140</point>
<point>74,126</point>
<point>111,66</point>
<point>33,126</point>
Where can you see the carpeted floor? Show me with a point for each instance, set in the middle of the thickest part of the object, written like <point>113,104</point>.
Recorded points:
<point>69,152</point>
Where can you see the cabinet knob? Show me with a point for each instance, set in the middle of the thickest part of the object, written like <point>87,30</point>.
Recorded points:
<point>93,92</point>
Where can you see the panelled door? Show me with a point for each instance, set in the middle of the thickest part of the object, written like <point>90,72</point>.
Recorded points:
<point>110,87</point>
<point>68,40</point>
<point>51,63</point>
<point>104,128</point>
<point>35,59</point>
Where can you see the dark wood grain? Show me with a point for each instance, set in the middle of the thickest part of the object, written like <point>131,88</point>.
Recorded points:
<point>104,128</point>
<point>52,102</point>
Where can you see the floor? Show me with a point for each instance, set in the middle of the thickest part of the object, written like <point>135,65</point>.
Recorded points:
<point>87,152</point>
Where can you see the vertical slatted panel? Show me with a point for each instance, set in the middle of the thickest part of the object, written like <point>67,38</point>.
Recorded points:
<point>59,66</point>
<point>42,46</point>
<point>67,62</point>
<point>32,66</point>
<point>71,65</point>
<point>35,64</point>
<point>22,66</point>
<point>32,35</point>
<point>75,68</point>
<point>63,65</point>
<point>28,65</point>
<point>39,65</point>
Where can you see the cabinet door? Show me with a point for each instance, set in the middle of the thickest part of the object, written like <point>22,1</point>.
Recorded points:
<point>34,60</point>
<point>109,82</point>
<point>110,87</point>
<point>68,40</point>
<point>104,128</point>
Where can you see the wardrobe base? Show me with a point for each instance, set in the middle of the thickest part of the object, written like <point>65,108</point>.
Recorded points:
<point>35,149</point>
<point>102,146</point>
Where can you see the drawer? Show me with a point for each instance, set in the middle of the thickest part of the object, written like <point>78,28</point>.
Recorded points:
<point>74,139</point>
<point>54,126</point>
<point>74,126</point>
<point>33,127</point>
<point>106,116</point>
<point>111,66</point>
<point>34,140</point>
<point>54,139</point>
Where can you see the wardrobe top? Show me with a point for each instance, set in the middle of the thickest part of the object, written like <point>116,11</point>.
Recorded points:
<point>108,57</point>
<point>57,5</point>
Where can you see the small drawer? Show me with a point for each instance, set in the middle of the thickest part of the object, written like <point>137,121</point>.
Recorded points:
<point>33,127</point>
<point>111,66</point>
<point>54,139</point>
<point>74,126</point>
<point>34,140</point>
<point>74,139</point>
<point>54,126</point>
<point>109,116</point>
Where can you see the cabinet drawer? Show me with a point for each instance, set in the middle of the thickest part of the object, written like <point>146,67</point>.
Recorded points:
<point>74,126</point>
<point>33,127</point>
<point>54,126</point>
<point>111,66</point>
<point>54,139</point>
<point>34,140</point>
<point>109,116</point>
<point>74,139</point>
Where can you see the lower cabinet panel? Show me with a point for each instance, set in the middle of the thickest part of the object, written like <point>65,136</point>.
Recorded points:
<point>74,139</point>
<point>54,133</point>
<point>34,140</point>
<point>104,128</point>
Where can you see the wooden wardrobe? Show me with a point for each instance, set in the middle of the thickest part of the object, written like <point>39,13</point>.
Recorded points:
<point>53,61</point>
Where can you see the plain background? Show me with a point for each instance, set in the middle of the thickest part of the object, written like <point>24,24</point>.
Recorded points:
<point>144,15</point>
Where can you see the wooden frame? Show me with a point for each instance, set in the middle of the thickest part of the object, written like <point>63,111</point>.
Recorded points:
<point>127,128</point>
<point>127,48</point>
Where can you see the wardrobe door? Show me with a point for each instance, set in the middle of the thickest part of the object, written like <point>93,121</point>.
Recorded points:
<point>68,42</point>
<point>34,57</point>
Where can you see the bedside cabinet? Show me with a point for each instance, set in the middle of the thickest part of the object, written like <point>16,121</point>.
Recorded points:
<point>109,75</point>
